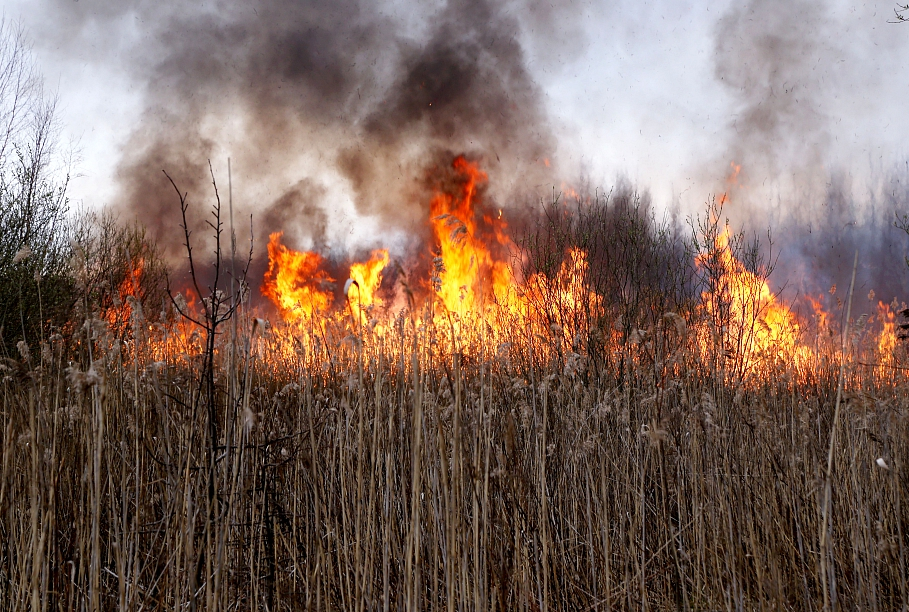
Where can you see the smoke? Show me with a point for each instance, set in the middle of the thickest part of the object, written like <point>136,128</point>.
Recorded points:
<point>332,112</point>
<point>466,88</point>
<point>817,247</point>
<point>329,110</point>
<point>772,56</point>
<point>781,63</point>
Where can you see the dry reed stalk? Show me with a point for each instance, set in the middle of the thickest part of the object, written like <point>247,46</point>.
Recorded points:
<point>396,472</point>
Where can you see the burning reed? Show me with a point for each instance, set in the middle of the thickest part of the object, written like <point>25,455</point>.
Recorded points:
<point>620,416</point>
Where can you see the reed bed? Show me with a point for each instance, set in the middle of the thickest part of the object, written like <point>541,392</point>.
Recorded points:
<point>598,459</point>
<point>366,471</point>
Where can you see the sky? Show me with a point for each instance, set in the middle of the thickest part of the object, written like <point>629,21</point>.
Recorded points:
<point>632,86</point>
<point>324,111</point>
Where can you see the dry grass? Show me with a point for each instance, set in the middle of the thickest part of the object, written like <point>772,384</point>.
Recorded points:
<point>338,468</point>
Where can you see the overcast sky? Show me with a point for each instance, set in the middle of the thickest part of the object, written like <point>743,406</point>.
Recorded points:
<point>667,94</point>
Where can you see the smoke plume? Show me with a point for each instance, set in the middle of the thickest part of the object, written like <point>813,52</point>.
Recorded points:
<point>315,100</point>
<point>777,60</point>
<point>767,53</point>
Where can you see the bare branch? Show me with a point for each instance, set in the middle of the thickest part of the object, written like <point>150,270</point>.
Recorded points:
<point>186,236</point>
<point>899,13</point>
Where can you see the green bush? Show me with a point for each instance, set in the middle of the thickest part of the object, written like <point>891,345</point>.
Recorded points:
<point>36,287</point>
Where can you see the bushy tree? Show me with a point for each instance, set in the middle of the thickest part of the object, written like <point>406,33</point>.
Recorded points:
<point>35,286</point>
<point>57,269</point>
<point>122,275</point>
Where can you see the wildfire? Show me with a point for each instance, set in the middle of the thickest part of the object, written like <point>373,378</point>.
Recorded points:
<point>886,343</point>
<point>126,319</point>
<point>565,299</point>
<point>745,313</point>
<point>119,314</point>
<point>295,281</point>
<point>467,272</point>
<point>367,276</point>
<point>734,171</point>
<point>471,276</point>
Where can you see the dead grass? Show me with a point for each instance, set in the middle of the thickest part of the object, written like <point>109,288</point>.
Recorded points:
<point>357,470</point>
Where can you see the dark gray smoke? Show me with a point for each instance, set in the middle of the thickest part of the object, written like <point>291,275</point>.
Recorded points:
<point>372,91</point>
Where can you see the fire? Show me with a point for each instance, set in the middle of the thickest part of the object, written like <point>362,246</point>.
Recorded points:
<point>744,311</point>
<point>475,295</point>
<point>820,315</point>
<point>367,276</point>
<point>563,300</point>
<point>734,171</point>
<point>295,281</point>
<point>154,339</point>
<point>471,276</point>
<point>119,314</point>
<point>569,193</point>
<point>886,343</point>
<point>470,273</point>
<point>467,273</point>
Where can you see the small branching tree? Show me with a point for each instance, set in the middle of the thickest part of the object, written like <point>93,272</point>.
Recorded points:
<point>219,304</point>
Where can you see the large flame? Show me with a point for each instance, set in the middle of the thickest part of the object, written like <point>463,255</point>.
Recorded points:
<point>467,273</point>
<point>745,314</point>
<point>366,277</point>
<point>295,281</point>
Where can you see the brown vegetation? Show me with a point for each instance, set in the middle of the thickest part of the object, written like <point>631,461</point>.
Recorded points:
<point>612,457</point>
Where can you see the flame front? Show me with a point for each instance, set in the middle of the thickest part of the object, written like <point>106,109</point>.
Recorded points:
<point>368,276</point>
<point>738,325</point>
<point>295,281</point>
<point>467,273</point>
<point>744,313</point>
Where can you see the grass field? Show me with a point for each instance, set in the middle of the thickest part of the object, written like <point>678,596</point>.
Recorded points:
<point>631,430</point>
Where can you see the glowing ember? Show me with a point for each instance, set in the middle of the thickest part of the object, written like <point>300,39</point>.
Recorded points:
<point>295,281</point>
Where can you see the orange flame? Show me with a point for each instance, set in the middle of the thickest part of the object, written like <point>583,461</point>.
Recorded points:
<point>753,324</point>
<point>368,277</point>
<point>745,321</point>
<point>295,281</point>
<point>820,315</point>
<point>467,273</point>
<point>738,317</point>
<point>118,315</point>
<point>566,298</point>
<point>886,343</point>
<point>734,171</point>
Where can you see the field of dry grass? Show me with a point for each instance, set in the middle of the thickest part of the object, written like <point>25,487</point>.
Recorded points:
<point>633,452</point>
